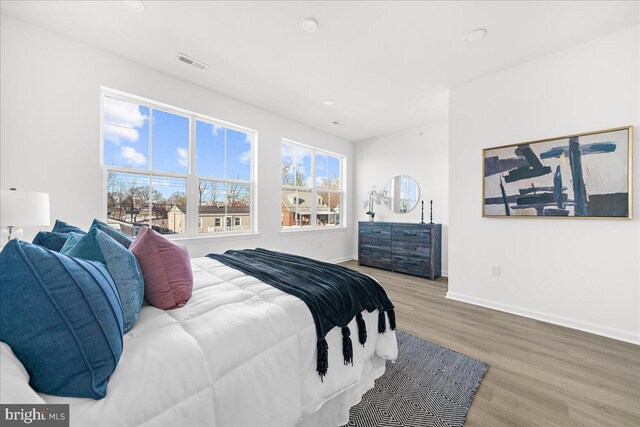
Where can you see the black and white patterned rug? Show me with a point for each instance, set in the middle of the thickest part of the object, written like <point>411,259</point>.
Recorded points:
<point>429,385</point>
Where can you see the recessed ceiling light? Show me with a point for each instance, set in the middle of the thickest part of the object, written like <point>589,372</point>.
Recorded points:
<point>336,123</point>
<point>476,35</point>
<point>136,5</point>
<point>310,25</point>
<point>328,102</point>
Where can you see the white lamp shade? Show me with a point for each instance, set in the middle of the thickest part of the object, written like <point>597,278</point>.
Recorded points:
<point>20,208</point>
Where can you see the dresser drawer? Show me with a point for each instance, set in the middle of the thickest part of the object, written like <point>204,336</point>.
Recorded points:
<point>372,258</point>
<point>376,239</point>
<point>412,265</point>
<point>375,248</point>
<point>411,234</point>
<point>375,231</point>
<point>411,249</point>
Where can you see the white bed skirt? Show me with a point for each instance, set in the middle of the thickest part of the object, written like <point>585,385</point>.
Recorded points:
<point>335,411</point>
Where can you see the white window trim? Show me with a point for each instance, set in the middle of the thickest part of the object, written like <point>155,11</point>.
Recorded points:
<point>314,190</point>
<point>191,177</point>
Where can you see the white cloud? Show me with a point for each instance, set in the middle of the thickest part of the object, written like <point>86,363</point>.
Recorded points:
<point>245,157</point>
<point>183,157</point>
<point>131,156</point>
<point>216,128</point>
<point>117,134</point>
<point>122,120</point>
<point>288,152</point>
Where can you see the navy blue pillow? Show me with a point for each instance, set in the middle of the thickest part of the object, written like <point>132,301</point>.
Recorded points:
<point>62,318</point>
<point>118,236</point>
<point>51,240</point>
<point>63,227</point>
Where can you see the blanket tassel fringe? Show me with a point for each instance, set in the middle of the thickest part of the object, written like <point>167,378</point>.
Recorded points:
<point>347,347</point>
<point>322,362</point>
<point>322,359</point>
<point>392,319</point>
<point>382,322</point>
<point>362,329</point>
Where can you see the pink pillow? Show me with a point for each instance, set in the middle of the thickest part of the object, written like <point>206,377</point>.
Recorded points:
<point>166,269</point>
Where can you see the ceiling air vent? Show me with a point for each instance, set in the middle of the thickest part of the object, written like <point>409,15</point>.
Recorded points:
<point>191,61</point>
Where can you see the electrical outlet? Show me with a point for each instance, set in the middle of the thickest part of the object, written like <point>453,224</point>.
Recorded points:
<point>494,269</point>
<point>320,245</point>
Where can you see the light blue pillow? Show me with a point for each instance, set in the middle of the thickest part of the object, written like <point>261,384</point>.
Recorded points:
<point>70,243</point>
<point>121,264</point>
<point>62,318</point>
<point>118,236</point>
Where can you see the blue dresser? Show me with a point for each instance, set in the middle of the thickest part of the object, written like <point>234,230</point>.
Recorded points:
<point>403,247</point>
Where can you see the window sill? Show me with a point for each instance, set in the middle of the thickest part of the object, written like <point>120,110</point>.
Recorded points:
<point>212,237</point>
<point>284,232</point>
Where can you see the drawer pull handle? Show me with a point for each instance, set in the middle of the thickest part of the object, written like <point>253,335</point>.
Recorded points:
<point>409,234</point>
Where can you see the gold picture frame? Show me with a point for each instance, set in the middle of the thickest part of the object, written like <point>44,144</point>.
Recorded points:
<point>554,197</point>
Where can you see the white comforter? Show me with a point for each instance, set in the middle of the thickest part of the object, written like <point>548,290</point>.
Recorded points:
<point>239,353</point>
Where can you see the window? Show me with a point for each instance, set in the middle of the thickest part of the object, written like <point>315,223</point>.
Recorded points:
<point>223,169</point>
<point>312,187</point>
<point>154,177</point>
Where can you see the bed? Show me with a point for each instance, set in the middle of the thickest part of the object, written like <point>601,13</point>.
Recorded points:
<point>239,353</point>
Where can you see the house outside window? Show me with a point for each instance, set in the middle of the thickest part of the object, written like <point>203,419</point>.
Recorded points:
<point>173,170</point>
<point>312,187</point>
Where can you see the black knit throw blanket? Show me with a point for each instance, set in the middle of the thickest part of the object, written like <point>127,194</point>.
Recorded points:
<point>334,294</point>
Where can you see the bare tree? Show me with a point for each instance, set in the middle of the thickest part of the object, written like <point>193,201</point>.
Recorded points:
<point>202,188</point>
<point>330,183</point>
<point>291,175</point>
<point>233,192</point>
<point>178,198</point>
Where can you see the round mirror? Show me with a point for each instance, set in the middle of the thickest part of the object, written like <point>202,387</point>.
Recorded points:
<point>401,194</point>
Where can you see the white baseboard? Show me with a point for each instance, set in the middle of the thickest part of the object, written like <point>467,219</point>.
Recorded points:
<point>616,334</point>
<point>339,260</point>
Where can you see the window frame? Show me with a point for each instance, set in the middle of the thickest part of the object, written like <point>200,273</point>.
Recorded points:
<point>315,190</point>
<point>192,180</point>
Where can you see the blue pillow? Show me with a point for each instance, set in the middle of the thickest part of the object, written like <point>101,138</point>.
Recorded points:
<point>121,264</point>
<point>118,236</point>
<point>63,227</point>
<point>71,242</point>
<point>51,240</point>
<point>62,318</point>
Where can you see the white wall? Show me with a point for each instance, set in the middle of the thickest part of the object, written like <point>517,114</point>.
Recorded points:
<point>579,273</point>
<point>420,152</point>
<point>50,135</point>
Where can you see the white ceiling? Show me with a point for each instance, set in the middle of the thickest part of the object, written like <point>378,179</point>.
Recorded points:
<point>387,64</point>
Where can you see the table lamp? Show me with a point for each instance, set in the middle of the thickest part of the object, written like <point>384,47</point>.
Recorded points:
<point>18,208</point>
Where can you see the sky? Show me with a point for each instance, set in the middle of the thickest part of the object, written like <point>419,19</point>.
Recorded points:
<point>128,127</point>
<point>327,166</point>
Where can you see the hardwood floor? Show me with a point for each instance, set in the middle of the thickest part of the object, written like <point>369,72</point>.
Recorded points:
<point>539,374</point>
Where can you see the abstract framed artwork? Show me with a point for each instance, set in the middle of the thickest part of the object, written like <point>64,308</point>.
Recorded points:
<point>585,175</point>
